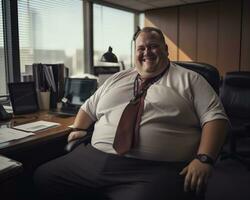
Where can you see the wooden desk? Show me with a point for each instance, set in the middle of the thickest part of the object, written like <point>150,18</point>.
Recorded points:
<point>33,151</point>
<point>10,171</point>
<point>9,168</point>
<point>39,137</point>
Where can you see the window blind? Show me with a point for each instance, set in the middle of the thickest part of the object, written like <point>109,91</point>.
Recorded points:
<point>51,32</point>
<point>115,28</point>
<point>2,55</point>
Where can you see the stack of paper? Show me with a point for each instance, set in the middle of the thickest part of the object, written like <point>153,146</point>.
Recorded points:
<point>6,163</point>
<point>8,134</point>
<point>36,126</point>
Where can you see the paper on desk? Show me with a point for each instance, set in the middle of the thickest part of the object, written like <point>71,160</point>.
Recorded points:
<point>8,134</point>
<point>6,163</point>
<point>8,109</point>
<point>36,126</point>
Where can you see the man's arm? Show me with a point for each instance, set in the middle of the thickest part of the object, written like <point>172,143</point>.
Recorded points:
<point>82,121</point>
<point>212,139</point>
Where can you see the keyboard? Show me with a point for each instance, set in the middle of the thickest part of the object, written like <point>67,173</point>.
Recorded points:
<point>66,111</point>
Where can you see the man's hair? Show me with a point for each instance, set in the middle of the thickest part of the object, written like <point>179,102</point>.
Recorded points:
<point>148,30</point>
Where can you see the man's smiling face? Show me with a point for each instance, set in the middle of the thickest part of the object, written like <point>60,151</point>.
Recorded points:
<point>151,54</point>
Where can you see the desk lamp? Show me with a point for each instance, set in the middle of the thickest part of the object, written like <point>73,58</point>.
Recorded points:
<point>109,56</point>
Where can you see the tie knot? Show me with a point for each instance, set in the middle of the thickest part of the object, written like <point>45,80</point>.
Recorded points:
<point>144,83</point>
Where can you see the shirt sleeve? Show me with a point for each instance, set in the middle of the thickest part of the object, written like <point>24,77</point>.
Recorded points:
<point>207,104</point>
<point>90,105</point>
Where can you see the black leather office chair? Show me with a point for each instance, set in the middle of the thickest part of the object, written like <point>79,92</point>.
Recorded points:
<point>235,96</point>
<point>209,72</point>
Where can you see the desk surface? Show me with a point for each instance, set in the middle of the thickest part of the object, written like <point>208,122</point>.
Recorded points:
<point>39,137</point>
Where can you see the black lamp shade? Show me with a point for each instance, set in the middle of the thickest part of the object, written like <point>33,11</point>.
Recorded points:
<point>109,56</point>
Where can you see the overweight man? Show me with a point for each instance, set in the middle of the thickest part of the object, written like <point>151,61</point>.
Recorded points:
<point>158,130</point>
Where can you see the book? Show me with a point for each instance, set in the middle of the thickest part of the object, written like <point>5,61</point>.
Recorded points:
<point>37,126</point>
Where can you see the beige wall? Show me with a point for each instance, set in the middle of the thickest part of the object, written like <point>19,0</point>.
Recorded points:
<point>168,26</point>
<point>245,40</point>
<point>215,32</point>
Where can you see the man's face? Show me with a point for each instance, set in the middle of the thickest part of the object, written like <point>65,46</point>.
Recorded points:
<point>151,54</point>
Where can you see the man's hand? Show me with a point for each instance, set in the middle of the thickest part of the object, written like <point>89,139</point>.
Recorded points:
<point>76,135</point>
<point>196,176</point>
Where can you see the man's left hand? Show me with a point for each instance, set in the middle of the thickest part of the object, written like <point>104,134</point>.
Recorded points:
<point>196,176</point>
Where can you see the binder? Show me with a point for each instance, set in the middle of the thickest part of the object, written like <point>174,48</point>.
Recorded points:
<point>58,72</point>
<point>44,76</point>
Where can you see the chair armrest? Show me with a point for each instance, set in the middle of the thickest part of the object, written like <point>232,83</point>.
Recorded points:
<point>74,143</point>
<point>85,139</point>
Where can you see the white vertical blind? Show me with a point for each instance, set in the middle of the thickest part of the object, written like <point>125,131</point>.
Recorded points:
<point>2,55</point>
<point>51,32</point>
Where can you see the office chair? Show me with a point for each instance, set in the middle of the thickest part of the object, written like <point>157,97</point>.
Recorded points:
<point>235,96</point>
<point>209,72</point>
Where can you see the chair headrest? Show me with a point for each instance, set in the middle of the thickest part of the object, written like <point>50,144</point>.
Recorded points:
<point>238,79</point>
<point>209,72</point>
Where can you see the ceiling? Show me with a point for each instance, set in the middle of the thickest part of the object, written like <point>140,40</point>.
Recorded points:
<point>143,5</point>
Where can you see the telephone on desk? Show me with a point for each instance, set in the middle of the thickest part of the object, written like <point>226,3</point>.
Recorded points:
<point>4,116</point>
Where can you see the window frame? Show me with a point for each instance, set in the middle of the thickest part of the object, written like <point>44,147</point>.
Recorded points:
<point>136,25</point>
<point>11,36</point>
<point>11,41</point>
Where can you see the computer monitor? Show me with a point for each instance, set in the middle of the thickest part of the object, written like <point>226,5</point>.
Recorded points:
<point>104,72</point>
<point>23,97</point>
<point>78,90</point>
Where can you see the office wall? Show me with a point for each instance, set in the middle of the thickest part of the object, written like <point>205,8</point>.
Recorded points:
<point>168,22</point>
<point>213,32</point>
<point>245,40</point>
<point>187,33</point>
<point>229,31</point>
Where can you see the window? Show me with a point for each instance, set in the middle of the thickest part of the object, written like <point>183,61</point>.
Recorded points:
<point>115,28</point>
<point>141,20</point>
<point>51,32</point>
<point>2,55</point>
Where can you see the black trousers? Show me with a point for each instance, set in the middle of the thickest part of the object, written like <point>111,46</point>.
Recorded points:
<point>87,173</point>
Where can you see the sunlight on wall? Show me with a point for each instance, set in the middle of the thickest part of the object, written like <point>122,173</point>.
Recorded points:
<point>172,47</point>
<point>184,56</point>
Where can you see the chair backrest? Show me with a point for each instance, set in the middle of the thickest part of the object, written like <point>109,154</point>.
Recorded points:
<point>209,72</point>
<point>235,94</point>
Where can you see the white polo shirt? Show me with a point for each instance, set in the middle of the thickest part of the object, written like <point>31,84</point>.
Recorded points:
<point>175,109</point>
